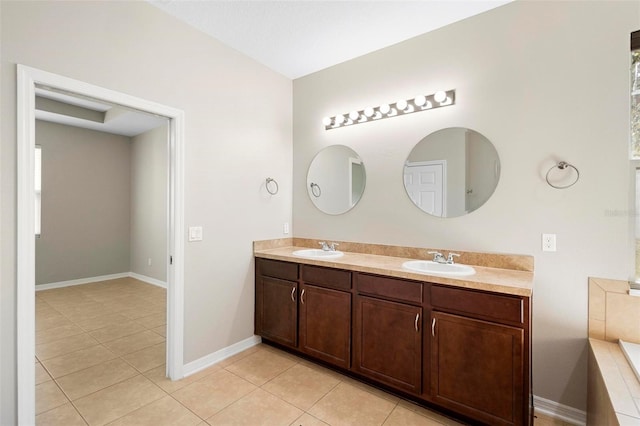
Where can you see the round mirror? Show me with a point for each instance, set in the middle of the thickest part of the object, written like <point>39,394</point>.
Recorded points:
<point>336,179</point>
<point>452,172</point>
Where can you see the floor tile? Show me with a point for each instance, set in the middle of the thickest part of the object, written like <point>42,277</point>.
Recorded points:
<point>237,357</point>
<point>92,379</point>
<point>349,405</point>
<point>118,400</point>
<point>41,374</point>
<point>134,342</point>
<point>261,366</point>
<point>78,360</point>
<point>116,331</point>
<point>153,320</point>
<point>64,415</point>
<point>428,413</point>
<point>163,412</point>
<point>158,376</point>
<point>212,393</point>
<point>102,321</point>
<point>257,408</point>
<point>308,420</point>
<point>57,333</point>
<point>301,386</point>
<point>51,322</point>
<point>147,358</point>
<point>64,346</point>
<point>401,416</point>
<point>49,396</point>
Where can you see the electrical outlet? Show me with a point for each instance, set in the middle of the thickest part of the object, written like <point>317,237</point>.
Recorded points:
<point>548,242</point>
<point>149,262</point>
<point>285,228</point>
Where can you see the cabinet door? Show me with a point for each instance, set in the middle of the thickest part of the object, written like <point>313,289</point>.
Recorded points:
<point>388,342</point>
<point>477,368</point>
<point>277,310</point>
<point>325,324</point>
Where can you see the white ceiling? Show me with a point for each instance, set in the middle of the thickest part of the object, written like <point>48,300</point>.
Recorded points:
<point>296,38</point>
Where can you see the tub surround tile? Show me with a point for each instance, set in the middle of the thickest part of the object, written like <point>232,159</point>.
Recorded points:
<point>613,313</point>
<point>508,281</point>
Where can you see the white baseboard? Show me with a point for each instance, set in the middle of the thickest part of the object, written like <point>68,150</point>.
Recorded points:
<point>148,280</point>
<point>90,280</point>
<point>559,411</point>
<point>217,356</point>
<point>81,281</point>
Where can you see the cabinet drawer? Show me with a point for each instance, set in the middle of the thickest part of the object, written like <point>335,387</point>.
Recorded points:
<point>483,305</point>
<point>326,277</point>
<point>391,288</point>
<point>277,269</point>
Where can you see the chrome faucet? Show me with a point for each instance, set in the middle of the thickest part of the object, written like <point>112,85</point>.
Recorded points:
<point>439,258</point>
<point>328,247</point>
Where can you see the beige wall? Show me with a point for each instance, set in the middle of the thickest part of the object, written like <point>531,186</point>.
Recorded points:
<point>149,204</point>
<point>238,133</point>
<point>85,203</point>
<point>544,81</point>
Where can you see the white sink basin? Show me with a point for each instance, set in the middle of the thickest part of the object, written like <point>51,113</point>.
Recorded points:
<point>318,253</point>
<point>435,268</point>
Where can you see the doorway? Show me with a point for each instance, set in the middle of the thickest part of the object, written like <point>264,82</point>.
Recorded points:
<point>426,184</point>
<point>28,80</point>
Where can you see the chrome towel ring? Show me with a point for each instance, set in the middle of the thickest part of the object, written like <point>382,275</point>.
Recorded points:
<point>315,190</point>
<point>272,186</point>
<point>563,165</point>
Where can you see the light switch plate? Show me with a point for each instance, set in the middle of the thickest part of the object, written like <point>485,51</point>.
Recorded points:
<point>195,233</point>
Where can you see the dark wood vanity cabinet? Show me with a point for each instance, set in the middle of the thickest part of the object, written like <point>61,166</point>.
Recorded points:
<point>276,311</point>
<point>311,314</point>
<point>479,355</point>
<point>466,351</point>
<point>325,314</point>
<point>388,332</point>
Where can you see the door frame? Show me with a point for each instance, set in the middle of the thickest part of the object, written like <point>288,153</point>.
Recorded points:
<point>27,80</point>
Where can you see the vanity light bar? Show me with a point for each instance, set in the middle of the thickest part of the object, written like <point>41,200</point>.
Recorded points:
<point>401,107</point>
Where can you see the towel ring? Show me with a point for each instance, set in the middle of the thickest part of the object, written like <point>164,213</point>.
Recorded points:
<point>269,189</point>
<point>315,190</point>
<point>563,165</point>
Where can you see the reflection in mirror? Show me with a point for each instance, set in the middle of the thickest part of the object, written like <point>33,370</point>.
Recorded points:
<point>336,179</point>
<point>452,172</point>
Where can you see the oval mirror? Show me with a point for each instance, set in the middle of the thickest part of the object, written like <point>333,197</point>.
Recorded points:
<point>336,179</point>
<point>452,172</point>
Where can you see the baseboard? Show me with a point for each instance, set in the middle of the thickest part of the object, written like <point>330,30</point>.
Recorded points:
<point>148,280</point>
<point>559,411</point>
<point>217,356</point>
<point>81,281</point>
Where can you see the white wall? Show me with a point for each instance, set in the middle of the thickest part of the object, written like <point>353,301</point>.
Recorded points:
<point>85,203</point>
<point>544,81</point>
<point>149,203</point>
<point>238,133</point>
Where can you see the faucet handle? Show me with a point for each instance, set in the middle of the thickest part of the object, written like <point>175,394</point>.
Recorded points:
<point>437,256</point>
<point>324,245</point>
<point>450,257</point>
<point>333,246</point>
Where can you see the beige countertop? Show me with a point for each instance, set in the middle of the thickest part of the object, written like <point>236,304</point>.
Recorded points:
<point>622,386</point>
<point>506,281</point>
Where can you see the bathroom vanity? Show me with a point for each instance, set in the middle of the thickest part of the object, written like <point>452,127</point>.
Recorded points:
<point>458,344</point>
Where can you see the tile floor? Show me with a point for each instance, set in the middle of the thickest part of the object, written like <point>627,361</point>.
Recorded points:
<point>100,353</point>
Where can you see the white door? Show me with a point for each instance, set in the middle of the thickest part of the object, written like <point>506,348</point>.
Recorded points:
<point>425,183</point>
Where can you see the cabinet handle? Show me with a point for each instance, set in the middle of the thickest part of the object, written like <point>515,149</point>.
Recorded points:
<point>302,296</point>
<point>293,290</point>
<point>433,327</point>
<point>415,324</point>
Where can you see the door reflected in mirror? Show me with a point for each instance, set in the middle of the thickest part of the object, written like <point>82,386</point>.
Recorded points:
<point>452,172</point>
<point>336,179</point>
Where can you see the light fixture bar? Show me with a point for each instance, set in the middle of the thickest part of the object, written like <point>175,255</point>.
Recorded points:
<point>402,107</point>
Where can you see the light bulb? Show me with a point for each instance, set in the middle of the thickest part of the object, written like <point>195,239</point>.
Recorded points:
<point>402,105</point>
<point>326,121</point>
<point>427,105</point>
<point>339,119</point>
<point>420,100</point>
<point>354,115</point>
<point>385,109</point>
<point>368,111</point>
<point>440,97</point>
